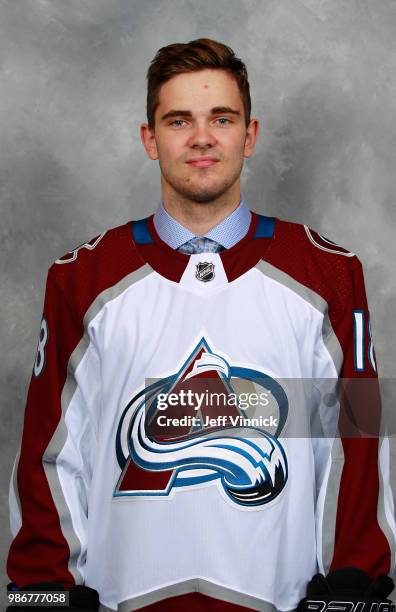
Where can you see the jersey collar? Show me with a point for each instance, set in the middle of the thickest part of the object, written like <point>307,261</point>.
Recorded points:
<point>236,260</point>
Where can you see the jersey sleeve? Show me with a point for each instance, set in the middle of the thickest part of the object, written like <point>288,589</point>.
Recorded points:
<point>52,472</point>
<point>355,524</point>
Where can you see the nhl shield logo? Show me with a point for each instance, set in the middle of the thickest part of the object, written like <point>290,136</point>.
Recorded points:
<point>204,271</point>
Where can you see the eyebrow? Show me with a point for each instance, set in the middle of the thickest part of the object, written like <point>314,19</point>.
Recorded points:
<point>217,110</point>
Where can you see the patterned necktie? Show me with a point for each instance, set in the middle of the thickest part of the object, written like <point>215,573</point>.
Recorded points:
<point>200,245</point>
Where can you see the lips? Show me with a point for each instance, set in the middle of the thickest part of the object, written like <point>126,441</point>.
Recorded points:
<point>202,162</point>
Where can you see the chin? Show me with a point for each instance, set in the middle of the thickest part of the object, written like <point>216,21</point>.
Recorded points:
<point>203,193</point>
<point>203,196</point>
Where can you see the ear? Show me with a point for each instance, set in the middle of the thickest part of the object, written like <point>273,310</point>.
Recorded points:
<point>148,139</point>
<point>251,136</point>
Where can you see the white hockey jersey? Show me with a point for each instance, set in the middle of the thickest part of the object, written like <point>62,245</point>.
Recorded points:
<point>131,479</point>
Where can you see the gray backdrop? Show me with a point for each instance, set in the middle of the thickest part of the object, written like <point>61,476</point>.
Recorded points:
<point>72,96</point>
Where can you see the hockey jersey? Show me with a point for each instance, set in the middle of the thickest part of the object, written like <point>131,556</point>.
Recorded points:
<point>134,478</point>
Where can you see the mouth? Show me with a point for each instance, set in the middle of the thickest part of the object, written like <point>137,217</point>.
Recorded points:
<point>202,162</point>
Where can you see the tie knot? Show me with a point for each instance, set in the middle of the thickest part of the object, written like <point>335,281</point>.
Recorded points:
<point>200,245</point>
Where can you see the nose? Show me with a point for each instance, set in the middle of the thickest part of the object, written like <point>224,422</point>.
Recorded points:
<point>201,136</point>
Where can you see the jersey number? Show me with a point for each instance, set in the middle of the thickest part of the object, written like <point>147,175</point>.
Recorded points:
<point>39,362</point>
<point>359,325</point>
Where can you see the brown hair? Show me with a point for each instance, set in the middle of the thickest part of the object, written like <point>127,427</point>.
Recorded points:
<point>195,55</point>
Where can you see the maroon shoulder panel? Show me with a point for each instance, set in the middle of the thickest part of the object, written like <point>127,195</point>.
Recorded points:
<point>97,265</point>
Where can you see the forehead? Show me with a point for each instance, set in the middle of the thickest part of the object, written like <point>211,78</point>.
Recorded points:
<point>199,91</point>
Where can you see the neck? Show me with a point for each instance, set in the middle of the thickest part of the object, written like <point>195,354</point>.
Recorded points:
<point>200,217</point>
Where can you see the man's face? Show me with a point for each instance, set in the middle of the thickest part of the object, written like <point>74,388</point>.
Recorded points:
<point>200,114</point>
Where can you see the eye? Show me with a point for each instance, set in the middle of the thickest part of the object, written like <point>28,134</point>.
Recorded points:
<point>176,121</point>
<point>224,119</point>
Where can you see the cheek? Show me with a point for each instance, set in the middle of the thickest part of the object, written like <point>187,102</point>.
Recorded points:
<point>234,144</point>
<point>171,151</point>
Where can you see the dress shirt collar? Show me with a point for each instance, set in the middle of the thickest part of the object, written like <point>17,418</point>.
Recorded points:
<point>227,233</point>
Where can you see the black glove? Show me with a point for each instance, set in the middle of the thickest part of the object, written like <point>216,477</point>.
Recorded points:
<point>344,588</point>
<point>81,598</point>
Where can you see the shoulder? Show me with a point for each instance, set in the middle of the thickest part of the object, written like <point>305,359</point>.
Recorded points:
<point>314,260</point>
<point>301,242</point>
<point>102,262</point>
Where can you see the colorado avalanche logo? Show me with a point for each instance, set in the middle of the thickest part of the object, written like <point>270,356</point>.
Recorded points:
<point>247,464</point>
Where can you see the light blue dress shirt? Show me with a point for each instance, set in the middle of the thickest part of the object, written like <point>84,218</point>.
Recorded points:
<point>227,233</point>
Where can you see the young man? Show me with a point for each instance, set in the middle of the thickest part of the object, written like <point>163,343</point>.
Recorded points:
<point>133,479</point>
